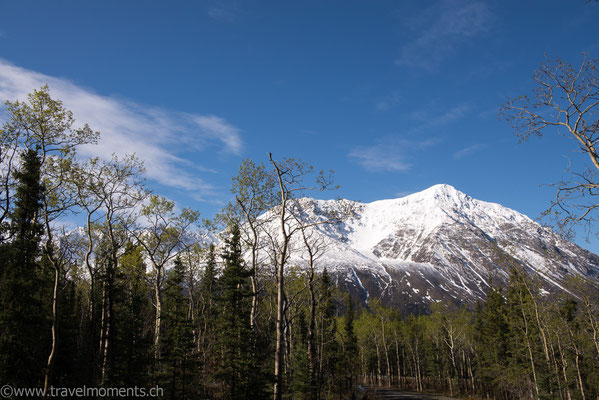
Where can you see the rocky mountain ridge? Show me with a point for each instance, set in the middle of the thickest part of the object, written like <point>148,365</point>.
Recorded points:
<point>438,245</point>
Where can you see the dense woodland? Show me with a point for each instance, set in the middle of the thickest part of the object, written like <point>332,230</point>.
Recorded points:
<point>139,296</point>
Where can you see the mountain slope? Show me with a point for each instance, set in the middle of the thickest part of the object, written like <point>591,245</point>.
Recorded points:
<point>439,244</point>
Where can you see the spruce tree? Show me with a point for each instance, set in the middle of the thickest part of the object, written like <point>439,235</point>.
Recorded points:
<point>178,361</point>
<point>68,368</point>
<point>207,316</point>
<point>300,382</point>
<point>526,364</point>
<point>21,314</point>
<point>350,348</point>
<point>132,310</point>
<point>492,335</point>
<point>330,350</point>
<point>233,322</point>
<point>208,285</point>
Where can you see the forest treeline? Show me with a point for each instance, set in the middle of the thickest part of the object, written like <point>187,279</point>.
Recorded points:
<point>140,297</point>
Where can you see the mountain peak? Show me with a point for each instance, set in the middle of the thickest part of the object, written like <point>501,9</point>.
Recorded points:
<point>441,195</point>
<point>440,244</point>
<point>443,189</point>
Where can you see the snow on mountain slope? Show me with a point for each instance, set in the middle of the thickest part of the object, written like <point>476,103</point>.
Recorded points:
<point>438,244</point>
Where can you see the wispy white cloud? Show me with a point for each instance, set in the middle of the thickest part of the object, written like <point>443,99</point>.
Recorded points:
<point>440,29</point>
<point>390,154</point>
<point>224,11</point>
<point>388,102</point>
<point>466,151</point>
<point>430,119</point>
<point>217,128</point>
<point>394,153</point>
<point>156,136</point>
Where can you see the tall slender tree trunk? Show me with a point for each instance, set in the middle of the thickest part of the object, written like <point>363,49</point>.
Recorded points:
<point>580,383</point>
<point>451,346</point>
<point>103,332</point>
<point>378,360</point>
<point>564,368</point>
<point>385,347</point>
<point>254,288</point>
<point>404,360</point>
<point>311,331</point>
<point>592,323</point>
<point>471,375</point>
<point>418,372</point>
<point>108,320</point>
<point>102,322</point>
<point>363,364</point>
<point>288,330</point>
<point>280,339</point>
<point>254,285</point>
<point>90,270</point>
<point>280,322</point>
<point>279,346</point>
<point>254,246</point>
<point>48,247</point>
<point>158,315</point>
<point>528,345</point>
<point>556,370</point>
<point>52,355</point>
<point>397,358</point>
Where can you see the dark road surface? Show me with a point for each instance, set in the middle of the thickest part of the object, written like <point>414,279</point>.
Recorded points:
<point>392,394</point>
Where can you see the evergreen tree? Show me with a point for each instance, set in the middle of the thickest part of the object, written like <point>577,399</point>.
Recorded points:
<point>330,350</point>
<point>206,318</point>
<point>233,322</point>
<point>133,309</point>
<point>526,365</point>
<point>68,371</point>
<point>21,314</point>
<point>350,348</point>
<point>179,360</point>
<point>300,382</point>
<point>492,340</point>
<point>208,286</point>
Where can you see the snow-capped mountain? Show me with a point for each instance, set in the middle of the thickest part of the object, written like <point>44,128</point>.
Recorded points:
<point>438,244</point>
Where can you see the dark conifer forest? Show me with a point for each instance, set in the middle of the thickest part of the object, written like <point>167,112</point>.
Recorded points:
<point>148,295</point>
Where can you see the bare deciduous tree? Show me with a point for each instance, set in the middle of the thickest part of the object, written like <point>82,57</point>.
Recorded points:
<point>163,237</point>
<point>290,177</point>
<point>44,125</point>
<point>253,188</point>
<point>565,100</point>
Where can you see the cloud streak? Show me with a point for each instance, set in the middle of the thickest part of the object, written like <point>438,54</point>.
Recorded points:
<point>428,119</point>
<point>389,154</point>
<point>388,102</point>
<point>155,135</point>
<point>394,153</point>
<point>441,29</point>
<point>458,155</point>
<point>224,11</point>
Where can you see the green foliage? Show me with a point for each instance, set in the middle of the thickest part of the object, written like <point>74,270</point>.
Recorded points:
<point>22,312</point>
<point>326,324</point>
<point>208,288</point>
<point>349,346</point>
<point>187,328</point>
<point>300,381</point>
<point>132,359</point>
<point>233,324</point>
<point>492,335</point>
<point>179,359</point>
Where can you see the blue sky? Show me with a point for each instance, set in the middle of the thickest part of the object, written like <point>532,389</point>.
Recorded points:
<point>395,96</point>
